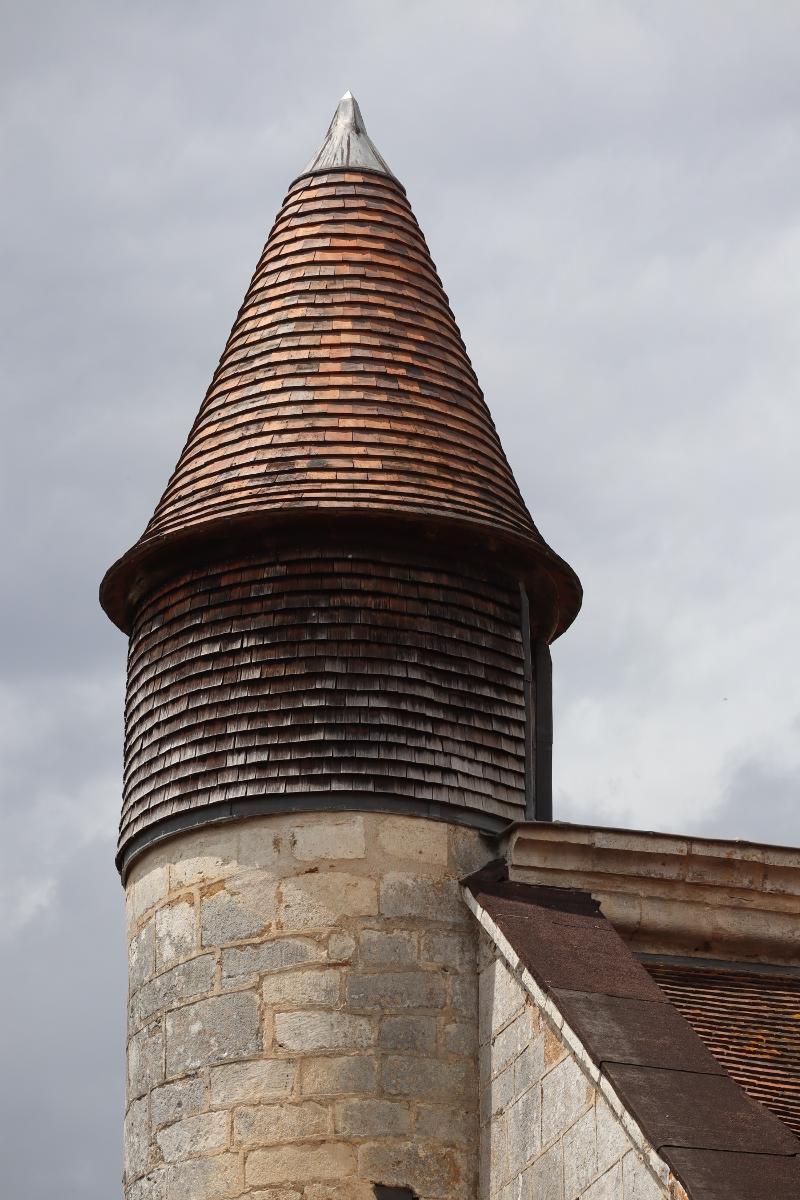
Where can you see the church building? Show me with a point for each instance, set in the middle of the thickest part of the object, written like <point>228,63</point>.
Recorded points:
<point>366,963</point>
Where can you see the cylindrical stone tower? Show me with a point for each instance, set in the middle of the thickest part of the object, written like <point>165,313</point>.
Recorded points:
<point>338,691</point>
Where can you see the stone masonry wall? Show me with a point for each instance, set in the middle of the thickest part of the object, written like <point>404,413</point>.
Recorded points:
<point>303,1011</point>
<point>547,1133</point>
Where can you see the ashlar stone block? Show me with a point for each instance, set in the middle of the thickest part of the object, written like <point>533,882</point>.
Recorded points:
<point>638,1182</point>
<point>372,1118</point>
<point>299,1164</point>
<point>280,954</point>
<point>566,1093</point>
<point>145,1059</point>
<point>137,1139</point>
<point>307,1032</point>
<point>413,841</point>
<point>245,907</point>
<point>212,1031</point>
<point>173,1101</point>
<point>431,1171</point>
<point>251,1082</point>
<point>274,1124</point>
<point>331,839</point>
<point>396,989</point>
<point>431,1078</point>
<point>296,988</point>
<point>318,901</point>
<point>175,932</point>
<point>338,1076</point>
<point>205,1178</point>
<point>395,948</point>
<point>417,1034</point>
<point>580,1154</point>
<point>422,898</point>
<point>193,1136</point>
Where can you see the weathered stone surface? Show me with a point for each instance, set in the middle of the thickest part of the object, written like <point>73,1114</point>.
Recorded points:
<point>341,838</point>
<point>300,1164</point>
<point>372,1118</point>
<point>205,1178</point>
<point>607,1187</point>
<point>310,1031</point>
<point>396,989</point>
<point>273,1124</point>
<point>456,951</point>
<point>405,1076</point>
<point>566,1092</point>
<point>145,1059</point>
<point>277,955</point>
<point>142,955</point>
<point>143,893</point>
<point>612,1140</point>
<point>461,1038</point>
<point>341,947</point>
<point>212,1031</point>
<point>431,1171</point>
<point>510,1042</point>
<point>173,1101</point>
<point>176,935</point>
<point>638,1182</point>
<point>276,1194</point>
<point>150,1187</point>
<point>251,1082</point>
<point>137,1139</point>
<point>244,908</point>
<point>295,988</point>
<point>420,897</point>
<point>523,1130</point>
<point>529,1067</point>
<point>544,1180</point>
<point>318,901</point>
<point>449,1125</point>
<point>580,1155</point>
<point>352,1073</point>
<point>417,1034</point>
<point>191,978</point>
<point>415,841</point>
<point>395,948</point>
<point>500,998</point>
<point>193,1136</point>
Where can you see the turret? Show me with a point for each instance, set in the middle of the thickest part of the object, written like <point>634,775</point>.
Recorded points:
<point>338,692</point>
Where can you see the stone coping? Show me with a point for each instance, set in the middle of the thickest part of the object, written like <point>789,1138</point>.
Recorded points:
<point>667,894</point>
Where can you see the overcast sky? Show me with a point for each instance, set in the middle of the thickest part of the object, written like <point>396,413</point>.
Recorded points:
<point>610,192</point>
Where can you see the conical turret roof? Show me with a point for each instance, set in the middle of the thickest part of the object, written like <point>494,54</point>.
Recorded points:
<point>344,388</point>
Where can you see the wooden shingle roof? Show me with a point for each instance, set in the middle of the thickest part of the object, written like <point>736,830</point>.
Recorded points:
<point>344,389</point>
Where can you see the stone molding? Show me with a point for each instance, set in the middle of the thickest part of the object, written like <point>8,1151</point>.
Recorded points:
<point>672,895</point>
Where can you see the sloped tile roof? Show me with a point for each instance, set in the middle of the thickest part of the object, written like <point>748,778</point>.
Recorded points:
<point>750,1020</point>
<point>690,1109</point>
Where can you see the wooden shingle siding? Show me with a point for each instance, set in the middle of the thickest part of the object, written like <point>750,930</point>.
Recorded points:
<point>324,671</point>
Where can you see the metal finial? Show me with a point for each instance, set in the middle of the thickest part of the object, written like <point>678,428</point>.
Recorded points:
<point>348,144</point>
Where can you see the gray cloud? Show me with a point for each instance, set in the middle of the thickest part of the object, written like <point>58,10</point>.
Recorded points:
<point>611,196</point>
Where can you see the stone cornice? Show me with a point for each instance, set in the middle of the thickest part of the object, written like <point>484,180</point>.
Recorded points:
<point>672,895</point>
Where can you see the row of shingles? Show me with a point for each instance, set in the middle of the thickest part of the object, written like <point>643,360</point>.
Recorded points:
<point>268,253</point>
<point>750,1022</point>
<point>460,380</point>
<point>717,1141</point>
<point>460,698</point>
<point>495,692</point>
<point>328,451</point>
<point>385,750</point>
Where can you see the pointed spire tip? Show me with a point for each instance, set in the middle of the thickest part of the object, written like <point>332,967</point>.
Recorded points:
<point>348,144</point>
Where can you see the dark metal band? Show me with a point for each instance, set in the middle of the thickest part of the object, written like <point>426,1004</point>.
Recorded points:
<point>487,823</point>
